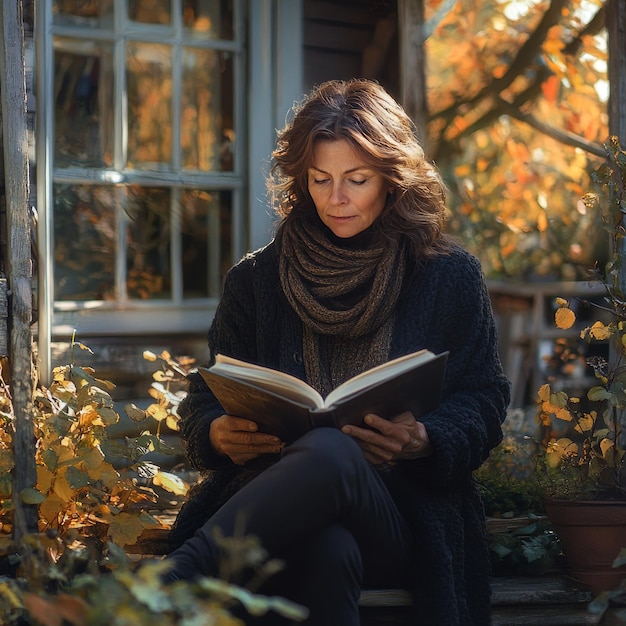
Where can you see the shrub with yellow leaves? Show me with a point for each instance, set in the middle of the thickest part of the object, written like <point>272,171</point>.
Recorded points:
<point>588,459</point>
<point>94,494</point>
<point>89,481</point>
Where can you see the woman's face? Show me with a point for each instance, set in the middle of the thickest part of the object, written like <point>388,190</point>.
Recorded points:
<point>348,194</point>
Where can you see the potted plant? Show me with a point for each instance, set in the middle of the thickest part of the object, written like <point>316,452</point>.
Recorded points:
<point>584,444</point>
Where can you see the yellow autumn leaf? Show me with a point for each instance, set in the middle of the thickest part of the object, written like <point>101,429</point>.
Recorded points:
<point>171,483</point>
<point>606,445</point>
<point>561,302</point>
<point>172,422</point>
<point>62,488</point>
<point>105,473</point>
<point>65,452</point>
<point>585,423</point>
<point>149,356</point>
<point>88,416</point>
<point>50,508</point>
<point>599,331</point>
<point>544,393</point>
<point>567,446</point>
<point>157,412</point>
<point>563,414</point>
<point>6,461</point>
<point>564,318</point>
<point>44,478</point>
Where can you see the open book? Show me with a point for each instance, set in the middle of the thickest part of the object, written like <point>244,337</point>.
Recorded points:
<point>288,407</point>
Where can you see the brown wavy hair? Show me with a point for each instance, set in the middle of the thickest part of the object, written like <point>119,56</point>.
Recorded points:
<point>363,113</point>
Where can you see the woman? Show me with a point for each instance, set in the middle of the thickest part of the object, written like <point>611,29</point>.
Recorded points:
<point>359,273</point>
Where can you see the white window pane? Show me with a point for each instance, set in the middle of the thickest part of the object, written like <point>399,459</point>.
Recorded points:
<point>150,11</point>
<point>83,103</point>
<point>149,88</point>
<point>148,265</point>
<point>209,18</point>
<point>84,241</point>
<point>206,232</point>
<point>83,13</point>
<point>207,133</point>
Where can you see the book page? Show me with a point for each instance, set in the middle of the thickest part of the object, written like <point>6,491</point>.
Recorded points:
<point>267,378</point>
<point>377,374</point>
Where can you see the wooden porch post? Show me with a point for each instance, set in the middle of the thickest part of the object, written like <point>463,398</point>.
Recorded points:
<point>412,64</point>
<point>14,127</point>
<point>616,27</point>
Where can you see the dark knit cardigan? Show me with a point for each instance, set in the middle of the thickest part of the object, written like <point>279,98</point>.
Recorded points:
<point>443,305</point>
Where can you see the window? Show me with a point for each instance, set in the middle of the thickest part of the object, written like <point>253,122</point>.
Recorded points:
<point>144,167</point>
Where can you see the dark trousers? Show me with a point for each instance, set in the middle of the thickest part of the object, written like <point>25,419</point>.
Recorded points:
<point>327,513</point>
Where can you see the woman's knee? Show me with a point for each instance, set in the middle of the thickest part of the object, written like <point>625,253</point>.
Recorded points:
<point>328,448</point>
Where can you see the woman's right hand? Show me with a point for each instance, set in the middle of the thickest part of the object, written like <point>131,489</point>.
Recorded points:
<point>238,439</point>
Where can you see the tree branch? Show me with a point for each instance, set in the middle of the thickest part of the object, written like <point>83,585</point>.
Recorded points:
<point>563,136</point>
<point>597,23</point>
<point>524,57</point>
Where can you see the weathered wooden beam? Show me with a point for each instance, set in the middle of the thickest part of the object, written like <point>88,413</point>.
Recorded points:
<point>4,316</point>
<point>616,27</point>
<point>19,266</point>
<point>412,64</point>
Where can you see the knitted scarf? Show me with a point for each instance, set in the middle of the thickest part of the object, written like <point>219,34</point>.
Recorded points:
<point>345,297</point>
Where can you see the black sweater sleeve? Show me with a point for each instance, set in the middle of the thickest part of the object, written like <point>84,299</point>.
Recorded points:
<point>232,332</point>
<point>468,424</point>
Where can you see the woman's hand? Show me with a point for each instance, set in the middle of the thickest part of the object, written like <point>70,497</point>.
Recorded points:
<point>238,439</point>
<point>390,440</point>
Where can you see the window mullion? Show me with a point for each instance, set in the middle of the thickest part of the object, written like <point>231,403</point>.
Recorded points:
<point>121,292</point>
<point>176,246</point>
<point>120,148</point>
<point>177,58</point>
<point>214,251</point>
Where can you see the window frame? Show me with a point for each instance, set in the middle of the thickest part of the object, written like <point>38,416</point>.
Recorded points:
<point>270,80</point>
<point>124,316</point>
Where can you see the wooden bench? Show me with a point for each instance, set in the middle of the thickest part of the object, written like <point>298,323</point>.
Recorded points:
<point>553,600</point>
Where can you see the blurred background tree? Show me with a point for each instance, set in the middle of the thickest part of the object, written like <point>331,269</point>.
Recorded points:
<point>517,101</point>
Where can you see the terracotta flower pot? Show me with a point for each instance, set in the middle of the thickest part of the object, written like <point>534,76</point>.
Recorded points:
<point>592,533</point>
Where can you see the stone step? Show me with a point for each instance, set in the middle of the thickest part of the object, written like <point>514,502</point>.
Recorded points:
<point>556,589</point>
<point>553,600</point>
<point>546,601</point>
<point>558,615</point>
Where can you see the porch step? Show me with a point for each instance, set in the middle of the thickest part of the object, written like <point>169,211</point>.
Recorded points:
<point>553,600</point>
<point>546,601</point>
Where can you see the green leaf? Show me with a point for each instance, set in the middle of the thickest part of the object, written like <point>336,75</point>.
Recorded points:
<point>82,346</point>
<point>30,495</point>
<point>135,413</point>
<point>255,604</point>
<point>501,550</point>
<point>50,459</point>
<point>76,478</point>
<point>597,394</point>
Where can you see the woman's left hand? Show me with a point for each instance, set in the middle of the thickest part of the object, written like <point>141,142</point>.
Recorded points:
<point>401,437</point>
